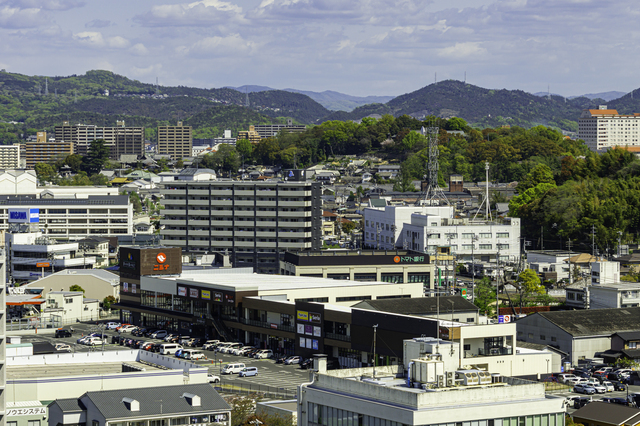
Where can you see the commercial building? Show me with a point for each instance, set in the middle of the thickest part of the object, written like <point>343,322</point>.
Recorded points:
<point>186,404</point>
<point>121,140</point>
<point>32,255</point>
<point>580,334</point>
<point>396,266</point>
<point>448,308</point>
<point>96,283</point>
<point>66,218</point>
<point>10,156</point>
<point>604,128</point>
<point>426,394</point>
<point>255,222</point>
<point>46,152</point>
<point>176,141</point>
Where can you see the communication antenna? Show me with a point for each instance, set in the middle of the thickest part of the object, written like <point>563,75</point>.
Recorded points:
<point>157,87</point>
<point>435,78</point>
<point>432,194</point>
<point>46,86</point>
<point>246,97</point>
<point>485,202</point>
<point>548,91</point>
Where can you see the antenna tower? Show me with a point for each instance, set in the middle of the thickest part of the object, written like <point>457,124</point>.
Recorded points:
<point>432,194</point>
<point>549,91</point>
<point>157,87</point>
<point>46,86</point>
<point>435,78</point>
<point>246,98</point>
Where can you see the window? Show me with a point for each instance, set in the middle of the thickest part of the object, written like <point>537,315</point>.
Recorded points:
<point>485,246</point>
<point>467,236</point>
<point>530,335</point>
<point>502,235</point>
<point>467,347</point>
<point>471,319</point>
<point>467,247</point>
<point>553,339</point>
<point>485,235</point>
<point>543,337</point>
<point>632,345</point>
<point>33,423</point>
<point>503,246</point>
<point>95,423</point>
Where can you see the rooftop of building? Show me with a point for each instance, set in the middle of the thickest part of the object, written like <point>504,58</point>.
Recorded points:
<point>621,285</point>
<point>34,371</point>
<point>594,322</point>
<point>611,414</point>
<point>389,383</point>
<point>25,200</point>
<point>165,400</point>
<point>419,305</point>
<point>265,282</point>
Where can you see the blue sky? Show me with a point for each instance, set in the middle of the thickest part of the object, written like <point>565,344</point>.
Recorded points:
<point>359,47</point>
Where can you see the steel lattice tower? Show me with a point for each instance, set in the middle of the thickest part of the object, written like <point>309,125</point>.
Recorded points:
<point>432,194</point>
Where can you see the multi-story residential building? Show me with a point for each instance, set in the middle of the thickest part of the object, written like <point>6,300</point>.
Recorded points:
<point>121,140</point>
<point>176,141</point>
<point>62,218</point>
<point>255,222</point>
<point>251,135</point>
<point>10,156</point>
<point>271,130</point>
<point>604,128</point>
<point>47,151</point>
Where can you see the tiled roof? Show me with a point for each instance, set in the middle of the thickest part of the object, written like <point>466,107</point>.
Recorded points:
<point>603,112</point>
<point>611,414</point>
<point>418,305</point>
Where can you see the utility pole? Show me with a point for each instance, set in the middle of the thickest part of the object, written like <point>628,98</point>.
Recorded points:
<point>593,240</point>
<point>498,283</point>
<point>375,358</point>
<point>570,275</point>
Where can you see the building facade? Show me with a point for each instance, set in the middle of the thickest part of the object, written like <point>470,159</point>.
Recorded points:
<point>255,222</point>
<point>121,140</point>
<point>603,128</point>
<point>46,152</point>
<point>74,218</point>
<point>10,156</point>
<point>271,130</point>
<point>176,141</point>
<point>251,135</point>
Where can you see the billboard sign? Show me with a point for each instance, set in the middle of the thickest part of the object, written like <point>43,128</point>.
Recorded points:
<point>135,261</point>
<point>24,215</point>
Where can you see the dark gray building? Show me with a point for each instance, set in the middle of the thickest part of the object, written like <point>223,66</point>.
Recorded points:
<point>254,222</point>
<point>159,406</point>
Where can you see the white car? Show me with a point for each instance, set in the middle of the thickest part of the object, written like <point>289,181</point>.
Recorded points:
<point>160,334</point>
<point>210,345</point>
<point>112,325</point>
<point>213,378</point>
<point>586,389</point>
<point>599,388</point>
<point>608,385</point>
<point>62,347</point>
<point>127,328</point>
<point>93,341</point>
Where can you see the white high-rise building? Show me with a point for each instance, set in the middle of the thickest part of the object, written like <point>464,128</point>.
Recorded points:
<point>604,128</point>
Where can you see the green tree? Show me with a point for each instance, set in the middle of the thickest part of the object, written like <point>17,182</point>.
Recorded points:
<point>456,123</point>
<point>348,227</point>
<point>96,158</point>
<point>244,148</point>
<point>45,172</point>
<point>76,287</point>
<point>134,198</point>
<point>108,301</point>
<point>539,174</point>
<point>484,296</point>
<point>180,163</point>
<point>528,284</point>
<point>74,161</point>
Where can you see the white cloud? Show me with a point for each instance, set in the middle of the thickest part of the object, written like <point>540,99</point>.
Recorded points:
<point>462,50</point>
<point>46,4</point>
<point>139,49</point>
<point>96,39</point>
<point>204,12</point>
<point>218,46</point>
<point>14,17</point>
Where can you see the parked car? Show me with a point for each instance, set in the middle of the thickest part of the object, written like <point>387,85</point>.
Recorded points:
<point>608,386</point>
<point>306,364</point>
<point>566,376</point>
<point>293,360</point>
<point>280,359</point>
<point>599,388</point>
<point>264,354</point>
<point>584,388</point>
<point>578,401</point>
<point>62,347</point>
<point>159,334</point>
<point>213,378</point>
<point>63,332</point>
<point>184,339</point>
<point>195,354</point>
<point>619,386</point>
<point>620,401</point>
<point>248,372</point>
<point>210,345</point>
<point>196,341</point>
<point>93,341</point>
<point>112,325</point>
<point>126,328</point>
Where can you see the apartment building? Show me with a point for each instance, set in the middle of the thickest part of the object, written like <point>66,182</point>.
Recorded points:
<point>176,141</point>
<point>271,130</point>
<point>62,218</point>
<point>251,135</point>
<point>603,128</point>
<point>121,140</point>
<point>46,152</point>
<point>10,156</point>
<point>255,222</point>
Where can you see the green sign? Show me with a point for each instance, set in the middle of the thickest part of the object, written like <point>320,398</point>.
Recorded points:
<point>463,292</point>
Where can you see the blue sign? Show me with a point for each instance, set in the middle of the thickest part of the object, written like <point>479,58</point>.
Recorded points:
<point>24,215</point>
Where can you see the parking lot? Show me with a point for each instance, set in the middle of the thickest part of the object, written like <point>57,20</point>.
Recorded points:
<point>278,376</point>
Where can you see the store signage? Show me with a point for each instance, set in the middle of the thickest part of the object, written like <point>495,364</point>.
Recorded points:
<point>36,411</point>
<point>504,319</point>
<point>182,291</point>
<point>228,299</point>
<point>408,259</point>
<point>24,215</point>
<point>206,294</point>
<point>303,315</point>
<point>217,297</point>
<point>43,265</point>
<point>308,316</point>
<point>193,292</point>
<point>274,326</point>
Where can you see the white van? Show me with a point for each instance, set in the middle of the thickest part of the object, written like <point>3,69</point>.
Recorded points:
<point>263,354</point>
<point>233,368</point>
<point>169,348</point>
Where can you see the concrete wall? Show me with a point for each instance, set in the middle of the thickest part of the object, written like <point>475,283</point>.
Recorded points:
<point>533,327</point>
<point>286,410</point>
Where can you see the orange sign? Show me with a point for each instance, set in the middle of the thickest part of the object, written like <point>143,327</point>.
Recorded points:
<point>43,265</point>
<point>161,257</point>
<point>396,259</point>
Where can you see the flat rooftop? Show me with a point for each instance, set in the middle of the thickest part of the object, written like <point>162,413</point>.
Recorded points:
<point>66,370</point>
<point>263,282</point>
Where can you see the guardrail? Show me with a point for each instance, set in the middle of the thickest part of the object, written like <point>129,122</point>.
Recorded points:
<point>256,389</point>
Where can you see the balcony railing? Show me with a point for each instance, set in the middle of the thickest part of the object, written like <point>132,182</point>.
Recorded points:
<point>335,336</point>
<point>495,352</point>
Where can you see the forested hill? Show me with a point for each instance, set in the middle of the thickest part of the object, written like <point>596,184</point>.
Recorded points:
<point>488,108</point>
<point>28,97</point>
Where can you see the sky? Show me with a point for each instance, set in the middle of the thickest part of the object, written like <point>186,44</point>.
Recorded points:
<point>358,47</point>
